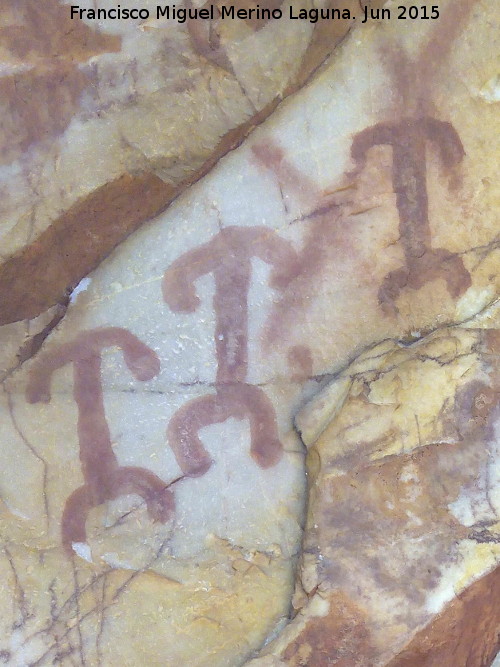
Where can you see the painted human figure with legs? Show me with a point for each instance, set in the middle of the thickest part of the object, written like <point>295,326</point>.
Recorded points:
<point>408,139</point>
<point>228,256</point>
<point>104,478</point>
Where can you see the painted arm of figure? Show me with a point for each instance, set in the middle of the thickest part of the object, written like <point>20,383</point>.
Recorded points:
<point>446,140</point>
<point>142,362</point>
<point>178,285</point>
<point>278,253</point>
<point>377,135</point>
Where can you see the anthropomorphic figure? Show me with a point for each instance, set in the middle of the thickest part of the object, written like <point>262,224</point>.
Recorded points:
<point>228,256</point>
<point>408,139</point>
<point>104,478</point>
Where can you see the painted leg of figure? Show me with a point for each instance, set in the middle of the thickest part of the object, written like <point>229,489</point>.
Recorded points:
<point>182,432</point>
<point>241,401</point>
<point>154,491</point>
<point>434,264</point>
<point>76,510</point>
<point>393,284</point>
<point>249,401</point>
<point>451,269</point>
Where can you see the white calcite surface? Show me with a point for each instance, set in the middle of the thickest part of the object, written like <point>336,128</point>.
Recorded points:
<point>153,480</point>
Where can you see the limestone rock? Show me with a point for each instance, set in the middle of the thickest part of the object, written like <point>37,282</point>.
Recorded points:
<point>106,121</point>
<point>403,511</point>
<point>341,265</point>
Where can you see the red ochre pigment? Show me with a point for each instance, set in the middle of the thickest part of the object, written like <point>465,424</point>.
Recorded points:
<point>228,256</point>
<point>104,478</point>
<point>408,139</point>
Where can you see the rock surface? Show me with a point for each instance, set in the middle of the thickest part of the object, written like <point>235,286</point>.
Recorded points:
<point>106,121</point>
<point>335,277</point>
<point>405,475</point>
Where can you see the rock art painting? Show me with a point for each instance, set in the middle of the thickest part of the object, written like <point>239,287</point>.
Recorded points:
<point>228,256</point>
<point>418,130</point>
<point>264,430</point>
<point>72,89</point>
<point>408,140</point>
<point>104,478</point>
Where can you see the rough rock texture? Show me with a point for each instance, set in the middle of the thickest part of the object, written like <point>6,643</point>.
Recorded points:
<point>156,509</point>
<point>405,475</point>
<point>96,112</point>
<point>335,276</point>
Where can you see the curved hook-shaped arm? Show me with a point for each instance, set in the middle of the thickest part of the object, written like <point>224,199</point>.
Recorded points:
<point>141,360</point>
<point>275,251</point>
<point>444,136</point>
<point>178,282</point>
<point>242,243</point>
<point>376,135</point>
